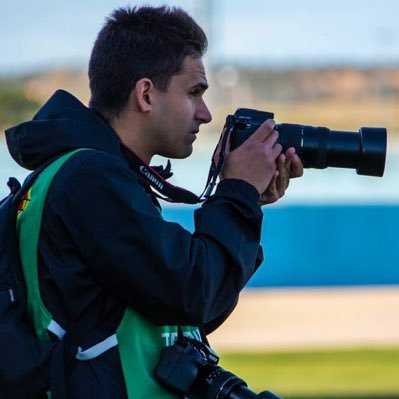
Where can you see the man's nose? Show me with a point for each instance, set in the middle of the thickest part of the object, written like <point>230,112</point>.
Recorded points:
<point>203,114</point>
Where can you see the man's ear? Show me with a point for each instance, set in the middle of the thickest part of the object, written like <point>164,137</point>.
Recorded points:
<point>143,92</point>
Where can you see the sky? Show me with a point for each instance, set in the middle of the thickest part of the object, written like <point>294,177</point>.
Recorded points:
<point>41,34</point>
<point>52,33</point>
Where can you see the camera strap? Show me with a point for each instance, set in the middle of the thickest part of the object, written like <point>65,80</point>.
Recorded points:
<point>204,338</point>
<point>156,176</point>
<point>214,170</point>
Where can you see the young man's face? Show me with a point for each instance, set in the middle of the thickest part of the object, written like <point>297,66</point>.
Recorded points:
<point>180,110</point>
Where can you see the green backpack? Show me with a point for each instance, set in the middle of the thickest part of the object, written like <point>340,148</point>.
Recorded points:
<point>140,342</point>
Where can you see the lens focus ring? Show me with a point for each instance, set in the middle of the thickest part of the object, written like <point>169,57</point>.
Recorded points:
<point>290,135</point>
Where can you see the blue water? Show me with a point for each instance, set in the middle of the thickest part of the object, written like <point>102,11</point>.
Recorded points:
<point>308,246</point>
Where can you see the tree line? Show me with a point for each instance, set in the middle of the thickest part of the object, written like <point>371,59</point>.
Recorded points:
<point>15,106</point>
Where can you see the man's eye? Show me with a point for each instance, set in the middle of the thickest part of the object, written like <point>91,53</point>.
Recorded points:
<point>195,93</point>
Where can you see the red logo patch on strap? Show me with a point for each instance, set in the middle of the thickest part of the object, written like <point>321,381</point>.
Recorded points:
<point>25,199</point>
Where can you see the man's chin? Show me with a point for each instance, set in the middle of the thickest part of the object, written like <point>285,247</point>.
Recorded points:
<point>182,154</point>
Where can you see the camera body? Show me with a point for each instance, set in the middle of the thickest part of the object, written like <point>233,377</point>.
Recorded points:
<point>318,147</point>
<point>189,367</point>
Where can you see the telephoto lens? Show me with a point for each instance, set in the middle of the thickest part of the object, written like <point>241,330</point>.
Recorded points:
<point>318,147</point>
<point>189,367</point>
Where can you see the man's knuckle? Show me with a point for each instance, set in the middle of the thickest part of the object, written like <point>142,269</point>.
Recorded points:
<point>278,147</point>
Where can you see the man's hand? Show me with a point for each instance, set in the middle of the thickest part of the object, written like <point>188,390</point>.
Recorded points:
<point>254,161</point>
<point>289,166</point>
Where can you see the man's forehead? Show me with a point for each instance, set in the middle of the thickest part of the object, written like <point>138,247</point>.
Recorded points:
<point>193,71</point>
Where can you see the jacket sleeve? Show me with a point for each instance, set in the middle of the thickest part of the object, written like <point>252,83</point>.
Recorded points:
<point>166,273</point>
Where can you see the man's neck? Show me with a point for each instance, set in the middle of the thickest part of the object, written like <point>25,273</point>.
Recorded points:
<point>132,138</point>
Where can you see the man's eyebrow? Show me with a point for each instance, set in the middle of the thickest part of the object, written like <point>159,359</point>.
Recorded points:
<point>201,85</point>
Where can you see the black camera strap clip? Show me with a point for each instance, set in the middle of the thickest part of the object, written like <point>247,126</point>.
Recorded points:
<point>156,176</point>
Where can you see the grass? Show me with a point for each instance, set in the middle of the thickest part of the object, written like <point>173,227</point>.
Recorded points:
<point>343,374</point>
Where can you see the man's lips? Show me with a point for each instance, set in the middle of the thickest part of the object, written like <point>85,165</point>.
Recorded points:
<point>194,134</point>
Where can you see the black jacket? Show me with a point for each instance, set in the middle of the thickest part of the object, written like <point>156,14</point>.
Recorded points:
<point>104,245</point>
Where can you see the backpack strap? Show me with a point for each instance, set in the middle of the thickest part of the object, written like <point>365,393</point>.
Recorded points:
<point>28,228</point>
<point>29,223</point>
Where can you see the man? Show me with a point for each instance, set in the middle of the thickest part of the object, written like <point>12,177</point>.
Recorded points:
<point>112,273</point>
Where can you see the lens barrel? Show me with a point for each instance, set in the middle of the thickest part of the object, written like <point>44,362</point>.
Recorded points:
<point>320,147</point>
<point>216,383</point>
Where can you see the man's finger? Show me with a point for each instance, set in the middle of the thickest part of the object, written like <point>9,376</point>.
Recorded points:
<point>287,167</point>
<point>296,163</point>
<point>284,164</point>
<point>276,149</point>
<point>263,132</point>
<point>296,166</point>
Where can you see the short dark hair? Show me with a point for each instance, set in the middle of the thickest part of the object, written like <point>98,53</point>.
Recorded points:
<point>140,42</point>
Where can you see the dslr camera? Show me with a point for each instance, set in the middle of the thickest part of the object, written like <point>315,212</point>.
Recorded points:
<point>318,147</point>
<point>189,367</point>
